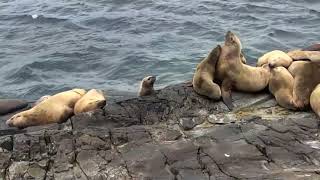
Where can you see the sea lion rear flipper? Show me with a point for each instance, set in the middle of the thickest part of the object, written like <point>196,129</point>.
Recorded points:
<point>226,94</point>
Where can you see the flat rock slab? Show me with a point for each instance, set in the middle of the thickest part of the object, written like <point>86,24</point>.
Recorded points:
<point>174,134</point>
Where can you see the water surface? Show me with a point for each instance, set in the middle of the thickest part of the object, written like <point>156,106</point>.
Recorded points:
<point>113,44</point>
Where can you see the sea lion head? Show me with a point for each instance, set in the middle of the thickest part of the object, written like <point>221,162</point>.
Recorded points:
<point>148,81</point>
<point>232,41</point>
<point>146,86</point>
<point>19,120</point>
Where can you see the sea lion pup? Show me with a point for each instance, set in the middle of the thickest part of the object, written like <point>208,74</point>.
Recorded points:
<point>234,74</point>
<point>92,100</point>
<point>146,86</point>
<point>313,56</point>
<point>315,100</point>
<point>281,86</point>
<point>55,109</point>
<point>306,78</point>
<point>275,58</point>
<point>11,105</point>
<point>204,75</point>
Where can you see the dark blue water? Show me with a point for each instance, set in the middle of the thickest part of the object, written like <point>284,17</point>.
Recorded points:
<point>113,44</point>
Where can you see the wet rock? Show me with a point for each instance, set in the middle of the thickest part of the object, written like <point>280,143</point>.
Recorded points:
<point>174,134</point>
<point>187,123</point>
<point>6,143</point>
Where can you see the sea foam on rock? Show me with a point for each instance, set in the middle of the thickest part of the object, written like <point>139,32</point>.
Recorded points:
<point>143,138</point>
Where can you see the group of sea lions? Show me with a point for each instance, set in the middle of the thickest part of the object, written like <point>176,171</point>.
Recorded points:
<point>293,78</point>
<point>60,107</point>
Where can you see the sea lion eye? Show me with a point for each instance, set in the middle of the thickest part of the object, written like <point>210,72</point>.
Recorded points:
<point>149,79</point>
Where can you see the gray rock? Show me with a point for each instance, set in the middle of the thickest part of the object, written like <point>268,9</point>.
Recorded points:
<point>142,138</point>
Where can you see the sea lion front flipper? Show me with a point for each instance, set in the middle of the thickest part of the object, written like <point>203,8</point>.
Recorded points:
<point>188,83</point>
<point>243,58</point>
<point>226,93</point>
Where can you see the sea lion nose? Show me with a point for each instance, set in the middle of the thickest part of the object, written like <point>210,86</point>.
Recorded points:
<point>102,103</point>
<point>271,65</point>
<point>9,123</point>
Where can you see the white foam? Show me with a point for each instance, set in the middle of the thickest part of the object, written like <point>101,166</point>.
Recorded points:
<point>34,16</point>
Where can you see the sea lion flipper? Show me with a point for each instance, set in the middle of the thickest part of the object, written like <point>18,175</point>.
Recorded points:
<point>226,94</point>
<point>189,83</point>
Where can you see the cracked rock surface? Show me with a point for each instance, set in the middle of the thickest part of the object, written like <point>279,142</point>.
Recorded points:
<point>174,134</point>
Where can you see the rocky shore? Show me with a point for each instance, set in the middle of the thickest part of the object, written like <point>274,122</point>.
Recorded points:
<point>175,134</point>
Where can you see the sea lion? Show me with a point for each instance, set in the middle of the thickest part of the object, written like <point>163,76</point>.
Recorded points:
<point>146,86</point>
<point>11,105</point>
<point>92,100</point>
<point>275,58</point>
<point>315,100</point>
<point>234,74</point>
<point>313,56</point>
<point>313,47</point>
<point>281,86</point>
<point>55,109</point>
<point>204,76</point>
<point>306,78</point>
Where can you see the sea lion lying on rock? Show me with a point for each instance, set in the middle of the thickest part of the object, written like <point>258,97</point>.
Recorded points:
<point>315,100</point>
<point>313,47</point>
<point>234,74</point>
<point>203,78</point>
<point>11,105</point>
<point>306,76</point>
<point>55,109</point>
<point>274,59</point>
<point>281,86</point>
<point>92,100</point>
<point>146,86</point>
<point>313,56</point>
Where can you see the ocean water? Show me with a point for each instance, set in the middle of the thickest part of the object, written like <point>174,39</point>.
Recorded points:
<point>49,46</point>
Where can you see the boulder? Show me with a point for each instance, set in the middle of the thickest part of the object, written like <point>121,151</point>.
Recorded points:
<point>174,134</point>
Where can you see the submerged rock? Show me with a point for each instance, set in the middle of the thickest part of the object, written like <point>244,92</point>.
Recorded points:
<point>174,134</point>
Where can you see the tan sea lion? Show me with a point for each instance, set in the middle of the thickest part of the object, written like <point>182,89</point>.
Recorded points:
<point>146,86</point>
<point>281,86</point>
<point>204,76</point>
<point>234,74</point>
<point>315,100</point>
<point>313,56</point>
<point>55,109</point>
<point>275,58</point>
<point>306,78</point>
<point>92,100</point>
